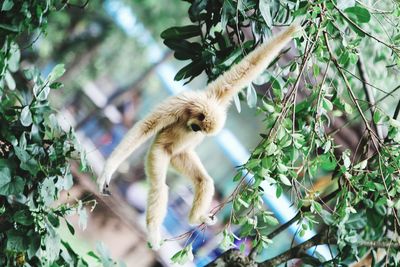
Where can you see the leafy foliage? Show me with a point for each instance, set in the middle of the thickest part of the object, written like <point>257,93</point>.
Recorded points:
<point>35,152</point>
<point>309,101</point>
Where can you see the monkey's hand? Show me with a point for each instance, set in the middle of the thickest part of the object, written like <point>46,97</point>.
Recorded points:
<point>208,219</point>
<point>102,183</point>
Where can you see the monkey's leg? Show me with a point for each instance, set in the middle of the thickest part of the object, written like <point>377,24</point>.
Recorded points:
<point>189,164</point>
<point>156,170</point>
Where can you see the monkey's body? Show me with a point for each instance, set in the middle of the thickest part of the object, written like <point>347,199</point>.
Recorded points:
<point>180,123</point>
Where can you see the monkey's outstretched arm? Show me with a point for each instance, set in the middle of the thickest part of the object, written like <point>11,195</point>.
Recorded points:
<point>241,74</point>
<point>165,114</point>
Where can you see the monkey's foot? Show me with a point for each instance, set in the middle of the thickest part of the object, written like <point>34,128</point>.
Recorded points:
<point>208,219</point>
<point>102,183</point>
<point>154,240</point>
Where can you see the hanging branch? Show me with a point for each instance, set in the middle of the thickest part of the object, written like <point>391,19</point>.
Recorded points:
<point>369,94</point>
<point>351,93</point>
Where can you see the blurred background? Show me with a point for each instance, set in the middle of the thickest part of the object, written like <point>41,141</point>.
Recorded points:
<point>118,69</point>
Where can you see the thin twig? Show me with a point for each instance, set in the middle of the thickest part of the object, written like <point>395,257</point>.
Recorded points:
<point>369,94</point>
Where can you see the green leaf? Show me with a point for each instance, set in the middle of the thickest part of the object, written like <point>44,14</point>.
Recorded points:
<point>15,241</point>
<point>28,162</point>
<point>104,255</point>
<point>348,108</point>
<point>183,256</point>
<point>316,70</point>
<point>23,217</point>
<point>44,92</point>
<point>244,203</point>
<point>56,73</point>
<point>377,116</point>
<point>13,61</point>
<point>70,227</point>
<point>270,149</point>
<point>358,14</point>
<point>56,85</point>
<point>327,104</point>
<point>7,5</point>
<point>236,100</point>
<point>284,179</point>
<point>53,219</point>
<point>268,107</point>
<point>93,255</point>
<point>10,185</point>
<point>251,96</point>
<point>48,191</point>
<point>264,6</point>
<point>26,116</point>
<point>183,32</point>
<point>316,206</point>
<point>10,80</point>
<point>270,220</point>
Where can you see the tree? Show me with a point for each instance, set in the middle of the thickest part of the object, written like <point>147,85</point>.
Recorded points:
<point>330,110</point>
<point>35,152</point>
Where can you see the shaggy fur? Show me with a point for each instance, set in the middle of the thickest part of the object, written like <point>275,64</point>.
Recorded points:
<point>180,123</point>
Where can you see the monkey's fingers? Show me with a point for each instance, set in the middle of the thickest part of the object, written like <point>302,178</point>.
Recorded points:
<point>102,184</point>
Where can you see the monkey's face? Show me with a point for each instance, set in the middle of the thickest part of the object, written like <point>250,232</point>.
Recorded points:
<point>206,118</point>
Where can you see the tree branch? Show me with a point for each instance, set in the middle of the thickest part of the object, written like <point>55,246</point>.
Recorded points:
<point>351,93</point>
<point>369,94</point>
<point>296,251</point>
<point>396,112</point>
<point>283,227</point>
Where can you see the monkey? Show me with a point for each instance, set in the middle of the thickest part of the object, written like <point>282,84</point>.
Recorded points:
<point>179,124</point>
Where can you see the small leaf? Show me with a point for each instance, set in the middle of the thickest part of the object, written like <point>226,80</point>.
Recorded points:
<point>266,12</point>
<point>377,116</point>
<point>10,185</point>
<point>56,85</point>
<point>268,107</point>
<point>327,104</point>
<point>70,228</point>
<point>284,179</point>
<point>236,100</point>
<point>327,146</point>
<point>316,70</point>
<point>13,61</point>
<point>56,73</point>
<point>359,14</point>
<point>183,32</point>
<point>348,108</point>
<point>53,219</point>
<point>7,5</point>
<point>270,149</point>
<point>26,116</point>
<point>10,81</point>
<point>44,92</point>
<point>251,96</point>
<point>271,220</point>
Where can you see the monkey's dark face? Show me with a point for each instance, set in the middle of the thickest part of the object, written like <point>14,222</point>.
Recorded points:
<point>206,119</point>
<point>196,122</point>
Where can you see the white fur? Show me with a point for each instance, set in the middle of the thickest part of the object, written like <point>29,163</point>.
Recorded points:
<point>172,122</point>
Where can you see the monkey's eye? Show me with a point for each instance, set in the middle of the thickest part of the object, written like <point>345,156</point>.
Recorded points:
<point>195,127</point>
<point>201,117</point>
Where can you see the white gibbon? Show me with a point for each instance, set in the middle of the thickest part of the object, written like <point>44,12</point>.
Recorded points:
<point>180,123</point>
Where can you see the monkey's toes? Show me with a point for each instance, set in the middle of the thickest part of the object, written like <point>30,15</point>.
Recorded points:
<point>209,219</point>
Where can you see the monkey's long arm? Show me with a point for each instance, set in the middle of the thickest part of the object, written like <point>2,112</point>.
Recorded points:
<point>241,74</point>
<point>164,115</point>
